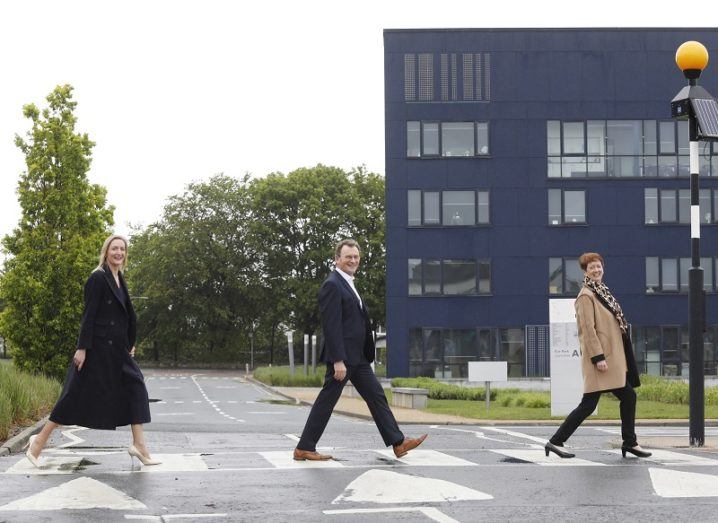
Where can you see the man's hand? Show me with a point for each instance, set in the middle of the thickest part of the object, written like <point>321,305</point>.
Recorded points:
<point>132,352</point>
<point>340,370</point>
<point>79,359</point>
<point>602,366</point>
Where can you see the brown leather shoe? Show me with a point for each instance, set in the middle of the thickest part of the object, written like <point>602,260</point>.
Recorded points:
<point>407,445</point>
<point>309,455</point>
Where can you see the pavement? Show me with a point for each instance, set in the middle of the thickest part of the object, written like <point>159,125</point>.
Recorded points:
<point>357,408</point>
<point>226,444</point>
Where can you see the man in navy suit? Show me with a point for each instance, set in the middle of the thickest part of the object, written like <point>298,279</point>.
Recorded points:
<point>348,349</point>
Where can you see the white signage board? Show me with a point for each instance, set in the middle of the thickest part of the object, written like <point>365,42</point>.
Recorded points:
<point>566,376</point>
<point>488,371</point>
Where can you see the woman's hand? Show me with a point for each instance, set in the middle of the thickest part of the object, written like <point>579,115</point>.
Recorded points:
<point>602,366</point>
<point>79,359</point>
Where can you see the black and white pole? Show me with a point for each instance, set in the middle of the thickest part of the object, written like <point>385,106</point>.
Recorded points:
<point>696,304</point>
<point>692,58</point>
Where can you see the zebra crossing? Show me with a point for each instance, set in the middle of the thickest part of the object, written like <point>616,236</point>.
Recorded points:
<point>58,461</point>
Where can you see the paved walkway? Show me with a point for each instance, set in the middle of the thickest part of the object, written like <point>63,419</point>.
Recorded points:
<point>357,408</point>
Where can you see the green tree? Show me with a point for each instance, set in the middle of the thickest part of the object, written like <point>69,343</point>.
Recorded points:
<point>300,217</point>
<point>367,221</point>
<point>55,245</point>
<point>195,274</point>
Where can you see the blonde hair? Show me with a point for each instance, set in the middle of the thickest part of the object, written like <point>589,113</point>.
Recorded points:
<point>106,247</point>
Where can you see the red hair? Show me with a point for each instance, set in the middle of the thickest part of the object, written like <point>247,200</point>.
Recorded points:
<point>588,257</point>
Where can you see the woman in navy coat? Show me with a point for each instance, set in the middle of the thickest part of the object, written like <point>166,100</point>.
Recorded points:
<point>104,387</point>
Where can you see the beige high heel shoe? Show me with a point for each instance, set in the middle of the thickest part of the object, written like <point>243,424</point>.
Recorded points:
<point>134,453</point>
<point>32,459</point>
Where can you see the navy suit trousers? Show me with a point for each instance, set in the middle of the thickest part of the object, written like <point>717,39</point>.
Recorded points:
<point>362,377</point>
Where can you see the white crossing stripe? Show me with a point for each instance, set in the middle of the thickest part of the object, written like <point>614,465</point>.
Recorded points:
<point>176,463</point>
<point>670,458</point>
<point>428,458</point>
<point>48,465</point>
<point>538,457</point>
<point>678,484</point>
<point>282,459</point>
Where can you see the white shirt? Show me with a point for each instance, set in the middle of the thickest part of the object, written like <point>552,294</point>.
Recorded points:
<point>350,281</point>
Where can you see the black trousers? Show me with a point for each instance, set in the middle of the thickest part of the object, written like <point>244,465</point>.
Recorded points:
<point>363,378</point>
<point>627,397</point>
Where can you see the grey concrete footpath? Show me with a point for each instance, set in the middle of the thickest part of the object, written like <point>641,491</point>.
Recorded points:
<point>356,407</point>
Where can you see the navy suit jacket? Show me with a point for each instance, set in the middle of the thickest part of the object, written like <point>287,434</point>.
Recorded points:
<point>346,329</point>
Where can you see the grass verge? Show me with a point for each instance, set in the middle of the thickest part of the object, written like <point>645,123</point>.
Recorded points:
<point>24,398</point>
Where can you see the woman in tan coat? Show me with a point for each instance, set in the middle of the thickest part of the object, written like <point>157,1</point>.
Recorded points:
<point>607,361</point>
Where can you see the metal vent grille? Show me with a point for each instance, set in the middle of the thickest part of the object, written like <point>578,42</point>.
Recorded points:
<point>487,76</point>
<point>468,60</point>
<point>426,77</point>
<point>461,77</point>
<point>453,77</point>
<point>478,76</point>
<point>444,78</point>
<point>410,77</point>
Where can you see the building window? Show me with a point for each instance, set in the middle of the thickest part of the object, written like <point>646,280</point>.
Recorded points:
<point>566,207</point>
<point>447,208</point>
<point>457,139</point>
<point>623,149</point>
<point>512,349</point>
<point>670,206</point>
<point>564,276</point>
<point>449,277</point>
<point>670,275</point>
<point>445,353</point>
<point>446,139</point>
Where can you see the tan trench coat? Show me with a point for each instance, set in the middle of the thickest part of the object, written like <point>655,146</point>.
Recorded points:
<point>599,333</point>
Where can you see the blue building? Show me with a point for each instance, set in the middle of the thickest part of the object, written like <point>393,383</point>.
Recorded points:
<point>509,152</point>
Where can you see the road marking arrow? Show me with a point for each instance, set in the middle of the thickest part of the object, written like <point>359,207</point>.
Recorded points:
<point>81,493</point>
<point>382,486</point>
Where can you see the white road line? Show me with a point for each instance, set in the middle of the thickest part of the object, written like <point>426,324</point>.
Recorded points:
<point>293,437</point>
<point>212,403</point>
<point>430,512</point>
<point>266,412</point>
<point>482,436</point>
<point>521,435</point>
<point>176,402</point>
<point>174,414</point>
<point>168,388</point>
<point>74,440</point>
<point>169,517</point>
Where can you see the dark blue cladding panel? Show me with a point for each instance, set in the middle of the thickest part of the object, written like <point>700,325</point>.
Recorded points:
<point>536,75</point>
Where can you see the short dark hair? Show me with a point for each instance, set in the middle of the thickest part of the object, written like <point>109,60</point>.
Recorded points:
<point>349,242</point>
<point>588,257</point>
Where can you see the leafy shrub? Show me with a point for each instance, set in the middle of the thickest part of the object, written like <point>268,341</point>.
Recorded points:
<point>280,377</point>
<point>444,391</point>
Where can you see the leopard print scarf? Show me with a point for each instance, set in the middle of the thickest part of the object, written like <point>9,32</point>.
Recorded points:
<point>604,294</point>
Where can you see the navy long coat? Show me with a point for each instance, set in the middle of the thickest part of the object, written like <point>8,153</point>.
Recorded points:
<point>109,391</point>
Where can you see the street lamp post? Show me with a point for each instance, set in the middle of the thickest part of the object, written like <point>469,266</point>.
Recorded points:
<point>698,106</point>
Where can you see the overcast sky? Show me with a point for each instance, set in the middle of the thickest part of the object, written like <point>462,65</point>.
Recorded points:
<point>177,91</point>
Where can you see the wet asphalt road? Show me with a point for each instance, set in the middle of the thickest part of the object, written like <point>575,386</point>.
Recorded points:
<point>226,450</point>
